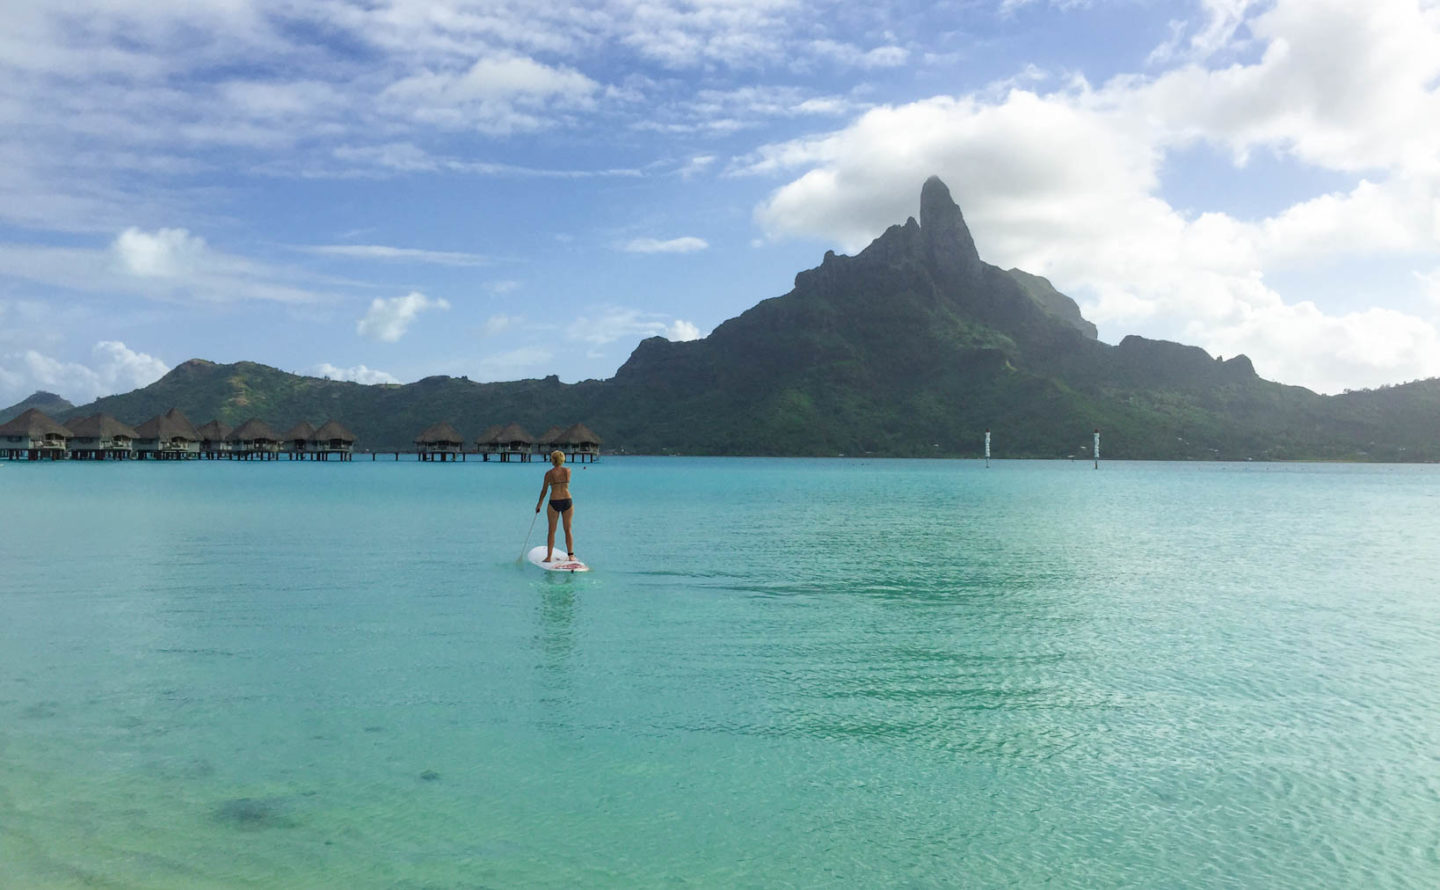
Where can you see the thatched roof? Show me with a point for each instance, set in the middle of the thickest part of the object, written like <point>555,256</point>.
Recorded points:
<point>101,426</point>
<point>579,434</point>
<point>34,425</point>
<point>300,432</point>
<point>170,425</point>
<point>214,431</point>
<point>253,430</point>
<point>331,429</point>
<point>488,437</point>
<point>514,433</point>
<point>551,436</point>
<point>440,433</point>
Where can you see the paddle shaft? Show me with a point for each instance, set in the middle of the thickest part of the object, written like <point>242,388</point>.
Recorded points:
<point>521,557</point>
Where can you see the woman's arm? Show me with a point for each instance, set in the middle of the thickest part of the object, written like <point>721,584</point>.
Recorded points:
<point>544,487</point>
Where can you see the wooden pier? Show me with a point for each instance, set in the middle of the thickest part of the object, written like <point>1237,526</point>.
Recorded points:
<point>171,437</point>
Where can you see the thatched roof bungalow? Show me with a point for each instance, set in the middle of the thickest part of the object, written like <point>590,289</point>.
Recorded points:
<point>102,437</point>
<point>579,442</point>
<point>254,440</point>
<point>34,435</point>
<point>512,441</point>
<point>214,438</point>
<point>547,441</point>
<point>580,434</point>
<point>333,438</point>
<point>299,440</point>
<point>168,436</point>
<point>439,442</point>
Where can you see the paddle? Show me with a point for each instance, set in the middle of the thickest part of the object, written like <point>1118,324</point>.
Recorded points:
<point>521,558</point>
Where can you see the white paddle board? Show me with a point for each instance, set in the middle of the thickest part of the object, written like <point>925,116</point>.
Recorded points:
<point>558,564</point>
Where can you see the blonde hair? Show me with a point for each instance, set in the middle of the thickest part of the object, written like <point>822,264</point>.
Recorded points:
<point>557,457</point>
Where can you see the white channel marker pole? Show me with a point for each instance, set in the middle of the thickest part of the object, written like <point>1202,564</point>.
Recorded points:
<point>1097,449</point>
<point>987,449</point>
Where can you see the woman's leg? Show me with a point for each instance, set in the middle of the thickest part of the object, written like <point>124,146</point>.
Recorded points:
<point>569,539</point>
<point>551,515</point>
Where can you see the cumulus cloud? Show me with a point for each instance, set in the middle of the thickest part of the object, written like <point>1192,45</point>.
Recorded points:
<point>1069,184</point>
<point>687,244</point>
<point>167,253</point>
<point>113,368</point>
<point>616,323</point>
<point>388,320</point>
<point>357,374</point>
<point>681,330</point>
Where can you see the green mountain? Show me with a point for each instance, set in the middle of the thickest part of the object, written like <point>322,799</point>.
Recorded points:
<point>45,402</point>
<point>912,347</point>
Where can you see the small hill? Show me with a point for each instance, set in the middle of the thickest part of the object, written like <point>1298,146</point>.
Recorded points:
<point>46,402</point>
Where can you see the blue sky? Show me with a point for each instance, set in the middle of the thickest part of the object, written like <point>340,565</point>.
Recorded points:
<point>386,190</point>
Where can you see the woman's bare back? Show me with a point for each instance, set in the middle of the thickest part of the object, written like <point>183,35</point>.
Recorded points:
<point>559,479</point>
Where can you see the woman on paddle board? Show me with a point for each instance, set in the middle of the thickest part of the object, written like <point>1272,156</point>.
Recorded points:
<point>557,482</point>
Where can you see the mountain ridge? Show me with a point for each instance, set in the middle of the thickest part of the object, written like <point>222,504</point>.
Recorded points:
<point>913,346</point>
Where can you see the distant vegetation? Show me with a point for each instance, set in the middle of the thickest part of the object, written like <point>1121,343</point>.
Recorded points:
<point>45,402</point>
<point>914,347</point>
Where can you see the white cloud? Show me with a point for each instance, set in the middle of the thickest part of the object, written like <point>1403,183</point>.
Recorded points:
<point>680,331</point>
<point>357,374</point>
<point>697,165</point>
<point>388,320</point>
<point>1224,19</point>
<point>113,368</point>
<point>1330,353</point>
<point>498,95</point>
<point>404,254</point>
<point>1431,282</point>
<point>167,253</point>
<point>616,323</point>
<point>849,54</point>
<point>687,244</point>
<point>1379,110</point>
<point>167,264</point>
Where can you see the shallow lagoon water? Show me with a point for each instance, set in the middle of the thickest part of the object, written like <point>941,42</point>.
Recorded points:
<point>782,673</point>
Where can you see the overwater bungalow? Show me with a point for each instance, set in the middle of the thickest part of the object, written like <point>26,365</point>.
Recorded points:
<point>486,444</point>
<point>101,437</point>
<point>169,436</point>
<point>214,440</point>
<point>299,440</point>
<point>579,443</point>
<point>334,439</point>
<point>512,442</point>
<point>34,436</point>
<point>548,441</point>
<point>440,442</point>
<point>254,440</point>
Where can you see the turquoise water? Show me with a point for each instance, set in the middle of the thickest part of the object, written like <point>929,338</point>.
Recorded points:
<point>782,673</point>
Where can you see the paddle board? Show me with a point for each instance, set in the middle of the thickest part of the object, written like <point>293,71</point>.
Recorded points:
<point>558,564</point>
